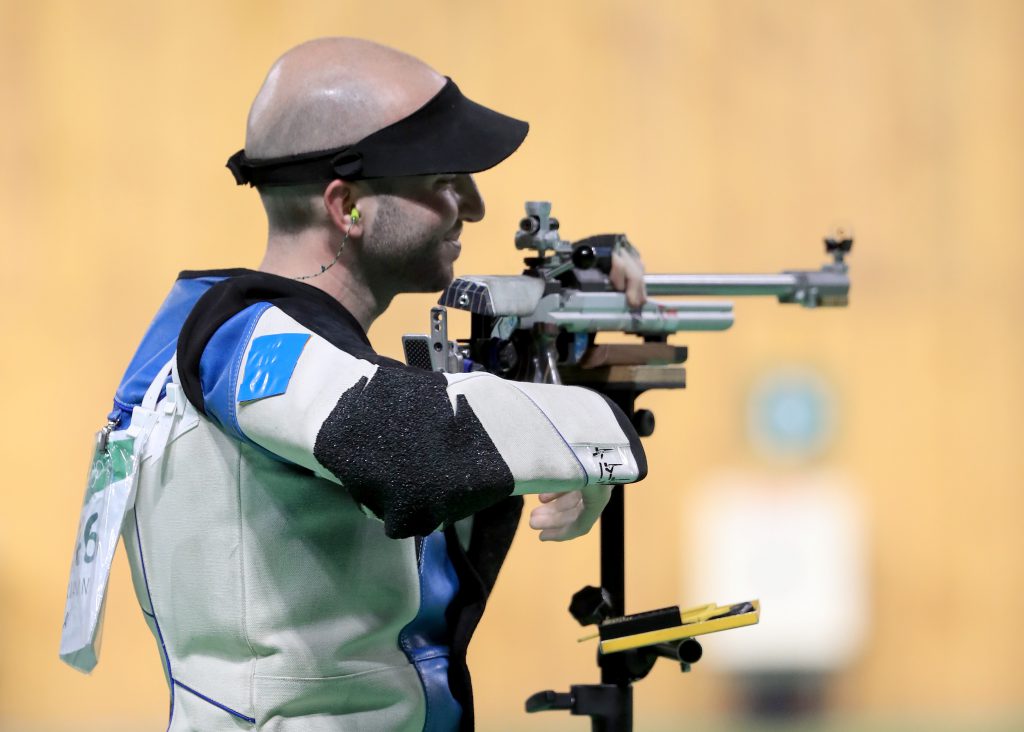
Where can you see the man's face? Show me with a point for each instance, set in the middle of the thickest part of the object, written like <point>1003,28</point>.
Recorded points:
<point>413,240</point>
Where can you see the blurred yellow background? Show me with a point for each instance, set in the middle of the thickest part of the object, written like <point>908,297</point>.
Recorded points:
<point>721,136</point>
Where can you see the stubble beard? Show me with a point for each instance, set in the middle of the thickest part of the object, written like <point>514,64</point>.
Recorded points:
<point>411,258</point>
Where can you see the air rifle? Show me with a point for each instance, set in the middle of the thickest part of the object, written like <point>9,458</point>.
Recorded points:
<point>530,327</point>
<point>541,326</point>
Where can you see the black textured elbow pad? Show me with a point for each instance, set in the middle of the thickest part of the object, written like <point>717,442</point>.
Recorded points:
<point>395,444</point>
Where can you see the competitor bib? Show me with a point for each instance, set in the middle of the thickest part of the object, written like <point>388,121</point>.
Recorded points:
<point>109,495</point>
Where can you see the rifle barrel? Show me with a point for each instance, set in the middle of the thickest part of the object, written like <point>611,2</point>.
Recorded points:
<point>721,284</point>
<point>828,286</point>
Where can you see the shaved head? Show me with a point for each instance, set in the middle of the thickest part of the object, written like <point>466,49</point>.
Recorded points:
<point>332,92</point>
<point>324,94</point>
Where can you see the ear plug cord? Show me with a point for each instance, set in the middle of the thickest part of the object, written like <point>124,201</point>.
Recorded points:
<point>355,216</point>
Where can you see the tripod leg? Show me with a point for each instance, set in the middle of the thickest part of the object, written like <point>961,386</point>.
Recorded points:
<point>613,547</point>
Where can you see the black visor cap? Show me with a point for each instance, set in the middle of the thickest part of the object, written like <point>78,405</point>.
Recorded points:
<point>449,134</point>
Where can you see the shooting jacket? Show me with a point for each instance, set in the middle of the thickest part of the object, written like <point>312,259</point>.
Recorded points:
<point>294,550</point>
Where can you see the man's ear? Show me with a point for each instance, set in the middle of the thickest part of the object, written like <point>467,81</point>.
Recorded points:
<point>340,201</point>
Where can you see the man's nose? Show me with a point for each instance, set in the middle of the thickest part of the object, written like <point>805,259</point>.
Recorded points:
<point>471,204</point>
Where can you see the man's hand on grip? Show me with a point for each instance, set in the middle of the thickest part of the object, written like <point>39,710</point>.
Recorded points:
<point>564,516</point>
<point>627,275</point>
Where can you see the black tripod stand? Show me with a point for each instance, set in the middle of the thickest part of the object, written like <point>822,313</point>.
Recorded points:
<point>610,703</point>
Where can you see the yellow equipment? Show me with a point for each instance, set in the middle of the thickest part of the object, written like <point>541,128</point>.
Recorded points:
<point>670,625</point>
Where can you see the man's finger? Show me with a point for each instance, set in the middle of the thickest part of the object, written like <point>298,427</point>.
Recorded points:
<point>617,275</point>
<point>556,518</point>
<point>563,501</point>
<point>541,519</point>
<point>571,501</point>
<point>636,290</point>
<point>627,275</point>
<point>547,523</point>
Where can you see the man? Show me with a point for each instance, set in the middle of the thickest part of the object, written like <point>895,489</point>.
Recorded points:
<point>314,546</point>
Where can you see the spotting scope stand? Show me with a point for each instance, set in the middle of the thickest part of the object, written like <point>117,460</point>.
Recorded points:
<point>610,703</point>
<point>631,644</point>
